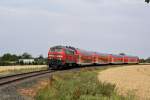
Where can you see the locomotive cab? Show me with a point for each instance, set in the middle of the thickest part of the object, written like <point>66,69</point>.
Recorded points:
<point>60,56</point>
<point>56,57</point>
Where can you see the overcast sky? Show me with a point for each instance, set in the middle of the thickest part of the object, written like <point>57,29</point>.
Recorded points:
<point>107,26</point>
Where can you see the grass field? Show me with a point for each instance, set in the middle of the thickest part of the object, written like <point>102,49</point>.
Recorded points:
<point>134,79</point>
<point>79,85</point>
<point>8,70</point>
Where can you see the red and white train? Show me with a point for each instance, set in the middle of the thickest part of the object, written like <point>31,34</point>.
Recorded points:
<point>60,56</point>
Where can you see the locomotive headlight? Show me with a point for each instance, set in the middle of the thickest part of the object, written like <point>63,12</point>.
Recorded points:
<point>51,55</point>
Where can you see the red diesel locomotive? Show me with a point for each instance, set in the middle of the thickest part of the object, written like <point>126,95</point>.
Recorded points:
<point>60,56</point>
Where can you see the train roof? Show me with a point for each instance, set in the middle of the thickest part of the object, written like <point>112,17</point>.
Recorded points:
<point>131,56</point>
<point>66,47</point>
<point>104,54</point>
<point>85,52</point>
<point>124,56</point>
<point>117,55</point>
<point>58,46</point>
<point>90,52</point>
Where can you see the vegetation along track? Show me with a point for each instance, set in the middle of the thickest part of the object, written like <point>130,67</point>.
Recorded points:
<point>18,77</point>
<point>6,80</point>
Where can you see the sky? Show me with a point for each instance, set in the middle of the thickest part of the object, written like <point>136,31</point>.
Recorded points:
<point>106,26</point>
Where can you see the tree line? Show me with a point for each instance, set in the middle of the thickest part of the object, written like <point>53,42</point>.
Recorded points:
<point>145,60</point>
<point>13,59</point>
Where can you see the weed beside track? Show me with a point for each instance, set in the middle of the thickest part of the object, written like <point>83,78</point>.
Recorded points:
<point>79,85</point>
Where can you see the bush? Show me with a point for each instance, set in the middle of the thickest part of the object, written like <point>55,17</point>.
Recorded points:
<point>78,86</point>
<point>7,63</point>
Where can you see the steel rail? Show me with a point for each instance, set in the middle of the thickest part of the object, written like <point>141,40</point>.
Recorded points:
<point>7,76</point>
<point>18,77</point>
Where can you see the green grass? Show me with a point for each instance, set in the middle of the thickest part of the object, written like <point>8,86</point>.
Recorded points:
<point>81,85</point>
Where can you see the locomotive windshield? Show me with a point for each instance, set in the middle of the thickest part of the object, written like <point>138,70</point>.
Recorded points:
<point>55,49</point>
<point>70,52</point>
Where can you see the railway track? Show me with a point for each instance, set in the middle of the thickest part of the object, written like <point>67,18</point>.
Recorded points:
<point>18,77</point>
<point>6,80</point>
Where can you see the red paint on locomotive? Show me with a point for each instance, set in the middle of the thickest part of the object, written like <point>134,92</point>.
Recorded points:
<point>66,56</point>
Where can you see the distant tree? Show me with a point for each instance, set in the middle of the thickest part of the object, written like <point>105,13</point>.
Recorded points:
<point>26,56</point>
<point>9,57</point>
<point>20,57</point>
<point>0,58</point>
<point>41,57</point>
<point>148,60</point>
<point>6,57</point>
<point>142,61</point>
<point>14,57</point>
<point>40,60</point>
<point>122,54</point>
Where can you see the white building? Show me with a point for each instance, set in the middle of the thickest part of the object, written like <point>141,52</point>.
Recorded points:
<point>26,61</point>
